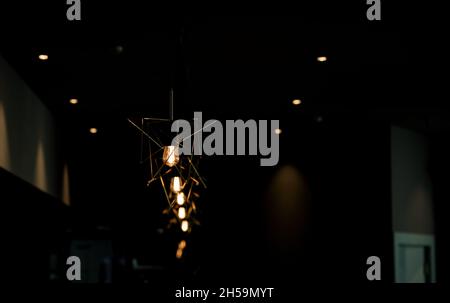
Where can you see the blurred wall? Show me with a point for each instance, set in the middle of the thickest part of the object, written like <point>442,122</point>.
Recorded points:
<point>27,133</point>
<point>412,206</point>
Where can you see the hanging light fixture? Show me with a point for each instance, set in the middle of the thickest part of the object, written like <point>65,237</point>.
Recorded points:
<point>178,174</point>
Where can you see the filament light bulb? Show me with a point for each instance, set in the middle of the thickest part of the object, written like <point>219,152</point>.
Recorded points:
<point>181,213</point>
<point>175,184</point>
<point>184,225</point>
<point>170,155</point>
<point>180,198</point>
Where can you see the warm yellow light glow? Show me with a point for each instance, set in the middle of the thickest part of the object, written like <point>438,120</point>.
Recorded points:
<point>277,131</point>
<point>170,155</point>
<point>43,57</point>
<point>180,198</point>
<point>181,247</point>
<point>175,184</point>
<point>181,213</point>
<point>184,225</point>
<point>93,130</point>
<point>322,59</point>
<point>5,156</point>
<point>40,169</point>
<point>182,244</point>
<point>73,101</point>
<point>297,102</point>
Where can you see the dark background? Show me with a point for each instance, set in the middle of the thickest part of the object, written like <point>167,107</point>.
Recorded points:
<point>231,67</point>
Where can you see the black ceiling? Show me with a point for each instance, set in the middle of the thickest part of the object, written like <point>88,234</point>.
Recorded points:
<point>240,66</point>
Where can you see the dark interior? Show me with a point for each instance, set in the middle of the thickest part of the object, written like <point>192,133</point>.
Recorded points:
<point>334,147</point>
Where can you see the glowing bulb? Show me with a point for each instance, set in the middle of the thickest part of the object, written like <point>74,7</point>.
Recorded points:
<point>180,198</point>
<point>277,131</point>
<point>43,57</point>
<point>93,130</point>
<point>170,155</point>
<point>297,102</point>
<point>175,184</point>
<point>184,225</point>
<point>181,247</point>
<point>181,213</point>
<point>182,244</point>
<point>73,101</point>
<point>322,59</point>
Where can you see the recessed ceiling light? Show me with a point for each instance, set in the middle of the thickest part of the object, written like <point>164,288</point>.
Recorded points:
<point>322,59</point>
<point>43,57</point>
<point>93,130</point>
<point>297,102</point>
<point>73,101</point>
<point>277,131</point>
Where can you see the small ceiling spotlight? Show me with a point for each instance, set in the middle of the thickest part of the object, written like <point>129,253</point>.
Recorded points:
<point>43,57</point>
<point>322,59</point>
<point>73,101</point>
<point>278,131</point>
<point>93,130</point>
<point>296,102</point>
